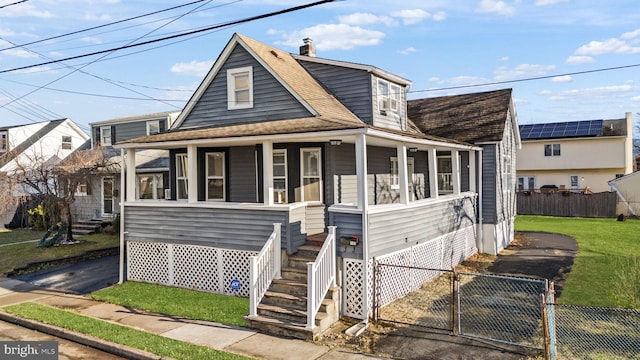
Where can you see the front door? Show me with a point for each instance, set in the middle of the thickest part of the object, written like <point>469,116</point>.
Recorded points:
<point>107,196</point>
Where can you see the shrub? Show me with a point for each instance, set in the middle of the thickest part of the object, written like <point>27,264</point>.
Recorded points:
<point>43,216</point>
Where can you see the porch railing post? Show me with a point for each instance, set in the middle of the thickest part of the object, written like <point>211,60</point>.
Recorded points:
<point>311,295</point>
<point>332,235</point>
<point>277,251</point>
<point>253,297</point>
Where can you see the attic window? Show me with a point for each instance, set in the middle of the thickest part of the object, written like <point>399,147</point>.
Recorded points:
<point>388,97</point>
<point>105,135</point>
<point>153,127</point>
<point>66,142</point>
<point>3,141</point>
<point>240,88</point>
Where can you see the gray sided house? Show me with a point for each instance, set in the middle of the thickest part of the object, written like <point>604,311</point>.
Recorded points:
<point>321,148</point>
<point>488,120</point>
<point>99,196</point>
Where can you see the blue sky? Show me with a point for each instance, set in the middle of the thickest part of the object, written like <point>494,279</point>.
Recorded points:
<point>437,44</point>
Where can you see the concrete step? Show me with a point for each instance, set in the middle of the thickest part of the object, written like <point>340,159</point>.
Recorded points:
<point>286,300</point>
<point>287,286</point>
<point>299,262</point>
<point>79,232</point>
<point>293,316</point>
<point>296,274</point>
<point>309,251</point>
<point>282,328</point>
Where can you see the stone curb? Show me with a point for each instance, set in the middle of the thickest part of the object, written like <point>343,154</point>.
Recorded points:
<point>87,340</point>
<point>87,255</point>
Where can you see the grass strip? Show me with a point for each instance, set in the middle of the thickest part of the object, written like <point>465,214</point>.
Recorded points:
<point>177,302</point>
<point>603,245</point>
<point>119,334</point>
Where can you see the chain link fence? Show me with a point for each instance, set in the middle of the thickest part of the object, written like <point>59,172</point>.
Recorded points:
<point>501,308</point>
<point>594,333</point>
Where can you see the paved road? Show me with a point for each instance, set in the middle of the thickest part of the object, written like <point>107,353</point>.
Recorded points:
<point>80,278</point>
<point>67,350</point>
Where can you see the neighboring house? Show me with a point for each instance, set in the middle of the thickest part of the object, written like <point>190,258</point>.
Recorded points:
<point>628,189</point>
<point>576,155</point>
<point>310,144</point>
<point>99,196</point>
<point>486,119</point>
<point>32,145</point>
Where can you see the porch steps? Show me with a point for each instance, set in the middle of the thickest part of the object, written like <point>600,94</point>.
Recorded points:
<point>283,310</point>
<point>86,227</point>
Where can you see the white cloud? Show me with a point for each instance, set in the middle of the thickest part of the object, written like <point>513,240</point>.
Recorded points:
<point>366,19</point>
<point>631,34</point>
<point>37,69</point>
<point>334,36</point>
<point>91,39</point>
<point>521,71</point>
<point>635,98</point>
<point>549,2</point>
<point>590,94</point>
<point>562,79</point>
<point>93,17</point>
<point>25,10</point>
<point>576,60</point>
<point>195,68</point>
<point>495,6</point>
<point>609,46</point>
<point>410,17</point>
<point>407,51</point>
<point>439,16</point>
<point>16,52</point>
<point>504,58</point>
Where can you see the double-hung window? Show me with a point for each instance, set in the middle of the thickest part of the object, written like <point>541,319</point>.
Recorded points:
<point>552,150</point>
<point>395,178</point>
<point>575,181</point>
<point>66,142</point>
<point>153,127</point>
<point>150,186</point>
<point>105,135</point>
<point>383,95</point>
<point>3,141</point>
<point>240,88</point>
<point>215,176</point>
<point>311,166</point>
<point>280,176</point>
<point>445,175</point>
<point>394,98</point>
<point>182,185</point>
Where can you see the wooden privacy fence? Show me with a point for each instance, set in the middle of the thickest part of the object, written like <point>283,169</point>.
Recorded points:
<point>567,203</point>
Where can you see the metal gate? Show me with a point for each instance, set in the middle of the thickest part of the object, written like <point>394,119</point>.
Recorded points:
<point>501,308</point>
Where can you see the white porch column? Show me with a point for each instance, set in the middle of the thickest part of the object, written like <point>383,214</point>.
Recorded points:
<point>403,177</point>
<point>267,172</point>
<point>455,169</point>
<point>363,205</point>
<point>130,171</point>
<point>192,173</point>
<point>433,173</point>
<point>123,172</point>
<point>472,171</point>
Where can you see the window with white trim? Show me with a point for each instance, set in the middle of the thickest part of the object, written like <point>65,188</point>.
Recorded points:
<point>394,98</point>
<point>182,184</point>
<point>153,127</point>
<point>552,150</point>
<point>280,195</point>
<point>507,174</point>
<point>4,143</point>
<point>574,180</point>
<point>82,189</point>
<point>445,175</point>
<point>526,183</point>
<point>150,186</point>
<point>240,88</point>
<point>105,135</point>
<point>389,96</point>
<point>311,174</point>
<point>395,178</point>
<point>215,176</point>
<point>383,95</point>
<point>66,142</point>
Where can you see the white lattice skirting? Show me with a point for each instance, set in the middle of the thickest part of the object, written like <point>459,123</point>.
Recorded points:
<point>444,253</point>
<point>189,266</point>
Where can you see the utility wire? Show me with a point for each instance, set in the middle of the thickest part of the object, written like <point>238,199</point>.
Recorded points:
<point>100,26</point>
<point>245,20</point>
<point>15,3</point>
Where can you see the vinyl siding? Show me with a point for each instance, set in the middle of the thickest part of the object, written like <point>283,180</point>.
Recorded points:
<point>218,227</point>
<point>351,86</point>
<point>346,226</point>
<point>271,101</point>
<point>403,227</point>
<point>489,185</point>
<point>315,222</point>
<point>242,174</point>
<point>127,130</point>
<point>389,119</point>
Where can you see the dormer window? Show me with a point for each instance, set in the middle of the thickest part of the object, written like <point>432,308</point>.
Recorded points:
<point>66,142</point>
<point>388,97</point>
<point>4,142</point>
<point>240,88</point>
<point>153,127</point>
<point>105,135</point>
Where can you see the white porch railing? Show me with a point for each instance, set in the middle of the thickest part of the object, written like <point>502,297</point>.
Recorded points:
<point>264,267</point>
<point>321,275</point>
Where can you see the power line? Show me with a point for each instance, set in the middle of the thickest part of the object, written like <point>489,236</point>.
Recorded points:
<point>245,20</point>
<point>100,26</point>
<point>15,3</point>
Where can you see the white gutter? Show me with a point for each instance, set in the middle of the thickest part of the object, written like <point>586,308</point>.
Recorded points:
<point>613,185</point>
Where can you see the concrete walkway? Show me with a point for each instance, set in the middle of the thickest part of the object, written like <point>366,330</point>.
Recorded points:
<point>219,336</point>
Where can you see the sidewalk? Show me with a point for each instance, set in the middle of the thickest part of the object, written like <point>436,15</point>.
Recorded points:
<point>219,336</point>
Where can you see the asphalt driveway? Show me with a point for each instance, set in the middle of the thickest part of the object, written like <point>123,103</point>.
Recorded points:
<point>80,278</point>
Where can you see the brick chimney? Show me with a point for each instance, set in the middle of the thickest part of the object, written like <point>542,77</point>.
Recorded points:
<point>308,49</point>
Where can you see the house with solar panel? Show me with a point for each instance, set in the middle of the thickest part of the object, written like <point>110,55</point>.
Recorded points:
<point>488,120</point>
<point>289,176</point>
<point>581,156</point>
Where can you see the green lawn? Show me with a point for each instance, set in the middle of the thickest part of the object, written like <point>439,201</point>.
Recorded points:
<point>11,236</point>
<point>14,256</point>
<point>177,302</point>
<point>119,334</point>
<point>606,249</point>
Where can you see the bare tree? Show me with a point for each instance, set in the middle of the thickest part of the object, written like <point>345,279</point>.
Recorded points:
<point>58,180</point>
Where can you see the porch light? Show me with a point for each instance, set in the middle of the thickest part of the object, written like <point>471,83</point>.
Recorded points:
<point>335,142</point>
<point>413,149</point>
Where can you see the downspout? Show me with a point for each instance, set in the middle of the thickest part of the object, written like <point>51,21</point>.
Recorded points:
<point>122,199</point>
<point>480,213</point>
<point>613,185</point>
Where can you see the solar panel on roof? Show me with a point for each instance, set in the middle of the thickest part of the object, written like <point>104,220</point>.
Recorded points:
<point>560,130</point>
